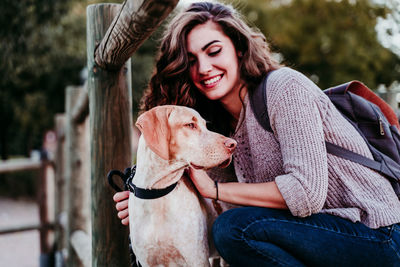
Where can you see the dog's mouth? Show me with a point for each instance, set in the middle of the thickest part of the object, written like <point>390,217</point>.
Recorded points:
<point>224,164</point>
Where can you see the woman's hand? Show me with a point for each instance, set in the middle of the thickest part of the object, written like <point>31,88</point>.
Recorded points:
<point>246,194</point>
<point>204,184</point>
<point>122,199</point>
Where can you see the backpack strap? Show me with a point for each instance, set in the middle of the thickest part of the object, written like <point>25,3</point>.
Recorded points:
<point>258,102</point>
<point>392,172</point>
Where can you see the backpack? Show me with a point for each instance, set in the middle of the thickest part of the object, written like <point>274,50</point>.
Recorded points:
<point>373,118</point>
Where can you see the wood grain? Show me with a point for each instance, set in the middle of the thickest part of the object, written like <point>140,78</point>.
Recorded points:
<point>130,28</point>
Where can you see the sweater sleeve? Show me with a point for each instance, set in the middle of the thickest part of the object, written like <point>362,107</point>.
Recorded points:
<point>297,124</point>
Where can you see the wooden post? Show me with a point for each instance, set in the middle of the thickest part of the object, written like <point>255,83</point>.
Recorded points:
<point>77,176</point>
<point>44,232</point>
<point>110,105</point>
<point>59,200</point>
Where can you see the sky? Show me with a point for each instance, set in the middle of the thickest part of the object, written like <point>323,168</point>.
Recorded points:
<point>388,29</point>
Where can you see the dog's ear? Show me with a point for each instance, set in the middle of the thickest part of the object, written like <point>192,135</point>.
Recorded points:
<point>154,126</point>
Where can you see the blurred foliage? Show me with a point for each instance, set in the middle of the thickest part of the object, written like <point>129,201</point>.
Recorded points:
<point>43,49</point>
<point>330,41</point>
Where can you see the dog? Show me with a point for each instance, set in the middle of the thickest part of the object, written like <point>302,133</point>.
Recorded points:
<point>173,230</point>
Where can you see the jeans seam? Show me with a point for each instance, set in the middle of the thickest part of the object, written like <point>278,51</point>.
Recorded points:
<point>317,227</point>
<point>258,251</point>
<point>397,251</point>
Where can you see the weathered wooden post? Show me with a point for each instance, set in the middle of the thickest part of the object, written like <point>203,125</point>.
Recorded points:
<point>109,85</point>
<point>45,177</point>
<point>59,194</point>
<point>110,105</point>
<point>77,175</point>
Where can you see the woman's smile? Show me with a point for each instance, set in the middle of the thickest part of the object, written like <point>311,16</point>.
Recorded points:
<point>213,81</point>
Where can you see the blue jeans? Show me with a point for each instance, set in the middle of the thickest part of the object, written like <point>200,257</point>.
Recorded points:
<point>252,236</point>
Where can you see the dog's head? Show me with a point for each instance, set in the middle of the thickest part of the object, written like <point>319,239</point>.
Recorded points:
<point>180,133</point>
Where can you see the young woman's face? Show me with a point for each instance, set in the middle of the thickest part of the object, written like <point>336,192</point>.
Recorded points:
<point>214,67</point>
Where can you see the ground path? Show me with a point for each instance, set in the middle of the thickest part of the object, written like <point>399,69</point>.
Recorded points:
<point>19,249</point>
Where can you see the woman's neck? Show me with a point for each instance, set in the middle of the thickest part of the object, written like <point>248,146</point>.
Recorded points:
<point>233,103</point>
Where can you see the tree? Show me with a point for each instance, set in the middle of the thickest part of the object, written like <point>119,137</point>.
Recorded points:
<point>42,49</point>
<point>330,41</point>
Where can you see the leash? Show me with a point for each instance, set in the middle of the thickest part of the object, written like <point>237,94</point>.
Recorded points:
<point>124,177</point>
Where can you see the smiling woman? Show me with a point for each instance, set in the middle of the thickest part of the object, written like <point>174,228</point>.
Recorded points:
<point>299,205</point>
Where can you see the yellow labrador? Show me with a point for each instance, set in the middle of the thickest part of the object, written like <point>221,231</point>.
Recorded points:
<point>168,219</point>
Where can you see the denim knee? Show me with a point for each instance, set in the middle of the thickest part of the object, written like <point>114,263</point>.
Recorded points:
<point>225,232</point>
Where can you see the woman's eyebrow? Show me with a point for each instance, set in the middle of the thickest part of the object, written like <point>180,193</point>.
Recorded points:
<point>208,44</point>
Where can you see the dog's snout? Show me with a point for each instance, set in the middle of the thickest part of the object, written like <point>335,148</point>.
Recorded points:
<point>230,144</point>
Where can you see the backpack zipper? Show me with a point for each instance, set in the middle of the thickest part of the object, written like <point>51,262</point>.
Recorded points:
<point>380,122</point>
<point>381,126</point>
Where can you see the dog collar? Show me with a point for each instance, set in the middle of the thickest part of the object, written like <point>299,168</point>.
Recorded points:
<point>143,193</point>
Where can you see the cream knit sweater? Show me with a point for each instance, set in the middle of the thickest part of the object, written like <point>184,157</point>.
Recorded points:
<point>294,155</point>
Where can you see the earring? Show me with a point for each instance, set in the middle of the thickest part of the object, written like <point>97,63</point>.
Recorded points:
<point>240,54</point>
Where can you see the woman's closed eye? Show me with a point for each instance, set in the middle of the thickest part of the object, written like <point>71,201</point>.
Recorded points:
<point>214,52</point>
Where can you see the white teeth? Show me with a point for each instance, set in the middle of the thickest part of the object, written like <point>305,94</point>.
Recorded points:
<point>213,80</point>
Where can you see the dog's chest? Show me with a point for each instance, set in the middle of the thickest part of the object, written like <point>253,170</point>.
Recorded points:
<point>172,226</point>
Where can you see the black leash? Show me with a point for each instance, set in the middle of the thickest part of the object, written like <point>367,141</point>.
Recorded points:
<point>125,176</point>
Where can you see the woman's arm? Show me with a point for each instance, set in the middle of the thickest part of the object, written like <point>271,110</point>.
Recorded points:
<point>122,199</point>
<point>252,194</point>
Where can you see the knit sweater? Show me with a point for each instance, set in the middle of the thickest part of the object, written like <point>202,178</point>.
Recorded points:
<point>294,156</point>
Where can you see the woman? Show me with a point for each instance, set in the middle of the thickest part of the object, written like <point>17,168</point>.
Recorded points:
<point>302,207</point>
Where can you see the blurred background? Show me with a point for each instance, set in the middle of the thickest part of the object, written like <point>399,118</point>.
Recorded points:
<point>43,50</point>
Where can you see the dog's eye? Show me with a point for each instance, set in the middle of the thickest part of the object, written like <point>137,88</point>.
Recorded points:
<point>190,125</point>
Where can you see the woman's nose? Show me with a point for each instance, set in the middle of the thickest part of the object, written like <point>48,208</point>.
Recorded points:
<point>204,66</point>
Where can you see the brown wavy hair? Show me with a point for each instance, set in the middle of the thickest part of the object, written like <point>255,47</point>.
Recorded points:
<point>171,83</point>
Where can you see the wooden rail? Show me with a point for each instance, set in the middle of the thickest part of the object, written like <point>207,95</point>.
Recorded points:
<point>46,174</point>
<point>26,227</point>
<point>13,165</point>
<point>133,24</point>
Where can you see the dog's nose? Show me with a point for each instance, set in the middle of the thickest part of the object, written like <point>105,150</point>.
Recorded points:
<point>230,144</point>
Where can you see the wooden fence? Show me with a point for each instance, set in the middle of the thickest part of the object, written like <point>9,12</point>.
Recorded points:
<point>94,136</point>
<point>46,176</point>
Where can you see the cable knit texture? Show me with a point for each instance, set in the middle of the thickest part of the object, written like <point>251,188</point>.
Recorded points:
<point>294,155</point>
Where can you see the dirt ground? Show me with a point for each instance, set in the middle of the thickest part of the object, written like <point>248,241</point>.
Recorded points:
<point>19,249</point>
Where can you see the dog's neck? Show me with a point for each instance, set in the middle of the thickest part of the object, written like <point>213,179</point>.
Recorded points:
<point>153,172</point>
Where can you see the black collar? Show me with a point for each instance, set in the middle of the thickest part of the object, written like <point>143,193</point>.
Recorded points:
<point>147,193</point>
